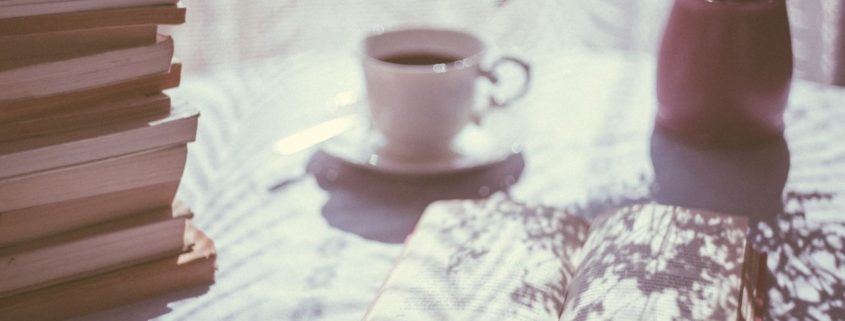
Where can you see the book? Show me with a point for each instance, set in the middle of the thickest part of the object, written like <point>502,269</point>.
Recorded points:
<point>93,178</point>
<point>23,8</point>
<point>149,107</point>
<point>34,107</point>
<point>63,149</point>
<point>30,49</point>
<point>36,222</point>
<point>92,250</point>
<point>119,287</point>
<point>503,260</point>
<point>81,73</point>
<point>143,15</point>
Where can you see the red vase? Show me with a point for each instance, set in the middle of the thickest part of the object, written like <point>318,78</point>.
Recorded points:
<point>724,71</point>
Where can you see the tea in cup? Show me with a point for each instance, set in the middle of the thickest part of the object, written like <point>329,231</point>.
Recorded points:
<point>422,86</point>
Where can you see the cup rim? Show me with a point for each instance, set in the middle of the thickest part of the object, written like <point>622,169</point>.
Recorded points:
<point>463,63</point>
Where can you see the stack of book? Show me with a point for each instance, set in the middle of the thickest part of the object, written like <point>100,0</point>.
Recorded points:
<point>91,155</point>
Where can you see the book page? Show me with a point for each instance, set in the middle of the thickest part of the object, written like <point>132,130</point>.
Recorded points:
<point>654,262</point>
<point>482,260</point>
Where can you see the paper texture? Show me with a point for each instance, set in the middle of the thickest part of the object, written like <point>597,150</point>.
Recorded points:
<point>494,260</point>
<point>659,263</point>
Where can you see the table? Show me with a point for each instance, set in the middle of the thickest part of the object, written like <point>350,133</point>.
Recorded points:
<point>318,246</point>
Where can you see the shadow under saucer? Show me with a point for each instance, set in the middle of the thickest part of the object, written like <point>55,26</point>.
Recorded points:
<point>386,207</point>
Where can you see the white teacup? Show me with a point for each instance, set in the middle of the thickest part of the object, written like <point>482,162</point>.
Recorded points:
<point>421,87</point>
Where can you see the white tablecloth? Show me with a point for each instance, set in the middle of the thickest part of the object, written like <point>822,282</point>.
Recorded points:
<point>319,247</point>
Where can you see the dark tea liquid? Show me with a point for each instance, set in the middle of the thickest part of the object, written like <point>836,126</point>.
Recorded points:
<point>420,59</point>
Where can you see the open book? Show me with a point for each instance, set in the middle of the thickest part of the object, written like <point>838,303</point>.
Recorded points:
<point>501,260</point>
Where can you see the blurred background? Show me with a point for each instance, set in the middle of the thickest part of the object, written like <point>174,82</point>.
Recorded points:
<point>229,31</point>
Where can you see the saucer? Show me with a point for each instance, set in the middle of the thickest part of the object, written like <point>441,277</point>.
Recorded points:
<point>473,148</point>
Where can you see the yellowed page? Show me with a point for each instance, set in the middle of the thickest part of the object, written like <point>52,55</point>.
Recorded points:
<point>654,262</point>
<point>487,260</point>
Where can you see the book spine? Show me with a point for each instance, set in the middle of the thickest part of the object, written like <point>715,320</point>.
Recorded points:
<point>26,50</point>
<point>761,293</point>
<point>27,269</point>
<point>51,219</point>
<point>134,140</point>
<point>86,72</point>
<point>37,9</point>
<point>156,15</point>
<point>132,109</point>
<point>12,110</point>
<point>93,178</point>
<point>108,290</point>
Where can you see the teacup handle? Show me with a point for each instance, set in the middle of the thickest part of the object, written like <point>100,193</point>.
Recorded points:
<point>490,74</point>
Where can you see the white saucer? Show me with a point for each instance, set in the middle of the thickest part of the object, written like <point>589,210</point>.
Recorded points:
<point>473,148</point>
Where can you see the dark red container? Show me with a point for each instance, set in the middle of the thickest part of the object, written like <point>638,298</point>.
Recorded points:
<point>724,71</point>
